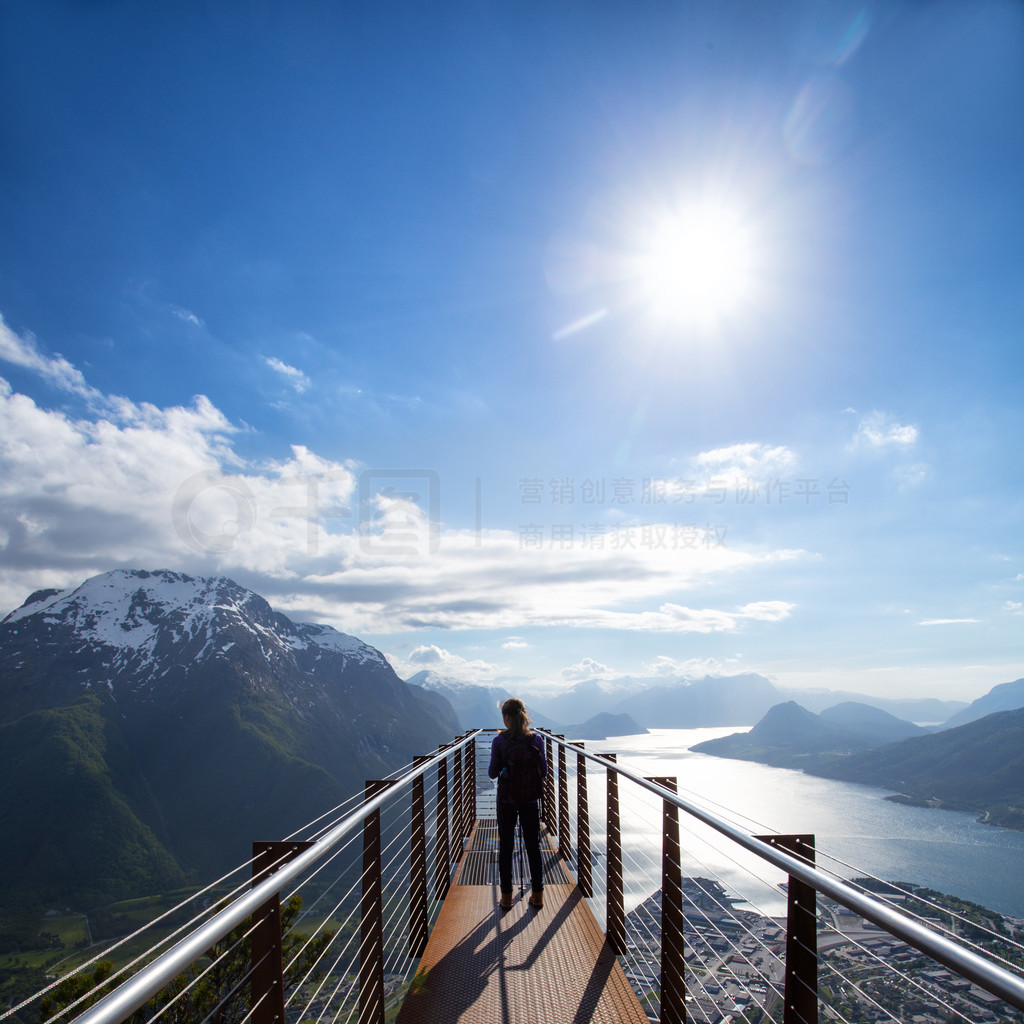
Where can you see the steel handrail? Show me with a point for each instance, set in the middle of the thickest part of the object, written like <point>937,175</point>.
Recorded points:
<point>129,997</point>
<point>989,976</point>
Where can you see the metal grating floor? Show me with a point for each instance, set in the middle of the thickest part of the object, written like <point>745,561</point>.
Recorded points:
<point>523,966</point>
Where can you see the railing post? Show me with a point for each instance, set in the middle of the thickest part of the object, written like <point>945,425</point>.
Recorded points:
<point>267,984</point>
<point>673,963</point>
<point>564,839</point>
<point>549,790</point>
<point>418,864</point>
<point>442,850</point>
<point>584,877</point>
<point>801,934</point>
<point>371,945</point>
<point>615,925</point>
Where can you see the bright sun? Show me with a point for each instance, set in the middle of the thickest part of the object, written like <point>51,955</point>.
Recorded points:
<point>695,265</point>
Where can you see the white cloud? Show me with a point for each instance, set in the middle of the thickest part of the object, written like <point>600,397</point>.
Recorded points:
<point>945,622</point>
<point>444,663</point>
<point>296,378</point>
<point>880,430</point>
<point>188,316</point>
<point>431,655</point>
<point>514,643</point>
<point>675,618</point>
<point>1014,607</point>
<point>586,669</point>
<point>750,458</point>
<point>766,611</point>
<point>54,369</point>
<point>738,468</point>
<point>691,668</point>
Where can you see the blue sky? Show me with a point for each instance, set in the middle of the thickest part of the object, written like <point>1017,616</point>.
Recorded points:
<point>530,342</point>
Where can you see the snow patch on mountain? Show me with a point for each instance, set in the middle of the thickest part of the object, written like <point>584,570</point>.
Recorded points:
<point>431,680</point>
<point>332,639</point>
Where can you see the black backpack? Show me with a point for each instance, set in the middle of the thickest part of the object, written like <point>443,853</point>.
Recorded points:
<point>523,781</point>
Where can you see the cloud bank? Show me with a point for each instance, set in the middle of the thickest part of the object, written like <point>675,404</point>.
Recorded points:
<point>133,485</point>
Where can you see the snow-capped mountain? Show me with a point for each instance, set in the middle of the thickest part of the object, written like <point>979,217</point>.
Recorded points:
<point>134,627</point>
<point>476,704</point>
<point>160,722</point>
<point>738,699</point>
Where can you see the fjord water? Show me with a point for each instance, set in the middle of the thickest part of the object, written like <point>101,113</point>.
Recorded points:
<point>857,831</point>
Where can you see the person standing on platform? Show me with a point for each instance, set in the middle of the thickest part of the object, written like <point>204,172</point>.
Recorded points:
<point>519,764</point>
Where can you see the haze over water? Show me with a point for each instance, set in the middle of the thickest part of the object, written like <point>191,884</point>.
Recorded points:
<point>857,831</point>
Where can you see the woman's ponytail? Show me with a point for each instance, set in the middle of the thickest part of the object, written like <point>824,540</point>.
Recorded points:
<point>514,713</point>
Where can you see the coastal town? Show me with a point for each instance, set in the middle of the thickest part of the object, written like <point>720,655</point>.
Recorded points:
<point>735,961</point>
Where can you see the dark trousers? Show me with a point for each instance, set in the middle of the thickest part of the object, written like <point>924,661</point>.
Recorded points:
<point>528,816</point>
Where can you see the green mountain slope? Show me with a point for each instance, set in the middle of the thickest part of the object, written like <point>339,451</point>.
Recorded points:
<point>976,767</point>
<point>873,724</point>
<point>1004,697</point>
<point>152,725</point>
<point>69,830</point>
<point>789,736</point>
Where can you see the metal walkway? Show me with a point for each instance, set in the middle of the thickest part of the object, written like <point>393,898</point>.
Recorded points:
<point>519,966</point>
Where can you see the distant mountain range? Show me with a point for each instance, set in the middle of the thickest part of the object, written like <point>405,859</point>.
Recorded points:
<point>153,724</point>
<point>477,706</point>
<point>1004,697</point>
<point>602,726</point>
<point>655,702</point>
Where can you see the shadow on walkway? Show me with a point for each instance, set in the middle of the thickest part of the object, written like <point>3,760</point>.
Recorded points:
<point>519,966</point>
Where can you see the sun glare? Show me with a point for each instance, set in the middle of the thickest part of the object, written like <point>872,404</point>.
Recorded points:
<point>695,265</point>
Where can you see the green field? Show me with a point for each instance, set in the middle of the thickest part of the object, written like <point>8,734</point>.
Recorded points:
<point>64,939</point>
<point>28,970</point>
